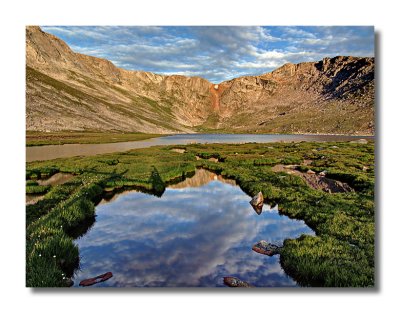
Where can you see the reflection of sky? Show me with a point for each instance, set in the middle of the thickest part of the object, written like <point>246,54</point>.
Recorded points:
<point>188,237</point>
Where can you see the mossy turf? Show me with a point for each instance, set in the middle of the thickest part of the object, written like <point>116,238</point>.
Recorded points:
<point>66,137</point>
<point>341,253</point>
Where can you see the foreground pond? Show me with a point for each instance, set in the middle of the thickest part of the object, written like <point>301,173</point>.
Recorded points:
<point>198,232</point>
<point>64,151</point>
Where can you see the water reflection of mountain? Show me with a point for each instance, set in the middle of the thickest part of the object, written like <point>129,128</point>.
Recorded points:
<point>201,178</point>
<point>189,237</point>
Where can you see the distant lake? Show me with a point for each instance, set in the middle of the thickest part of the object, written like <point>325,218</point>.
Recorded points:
<point>38,153</point>
<point>197,232</point>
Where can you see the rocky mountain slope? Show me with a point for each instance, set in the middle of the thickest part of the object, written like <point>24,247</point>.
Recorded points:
<point>71,91</point>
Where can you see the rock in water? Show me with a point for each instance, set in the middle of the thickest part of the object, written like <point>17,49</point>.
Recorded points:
<point>95,280</point>
<point>236,282</point>
<point>257,202</point>
<point>266,248</point>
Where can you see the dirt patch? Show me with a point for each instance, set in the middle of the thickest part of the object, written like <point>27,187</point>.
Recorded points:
<point>306,162</point>
<point>32,199</point>
<point>179,150</point>
<point>56,179</point>
<point>314,180</point>
<point>215,160</point>
<point>216,92</point>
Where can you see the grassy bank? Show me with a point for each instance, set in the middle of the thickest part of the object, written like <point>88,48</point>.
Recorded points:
<point>60,138</point>
<point>341,254</point>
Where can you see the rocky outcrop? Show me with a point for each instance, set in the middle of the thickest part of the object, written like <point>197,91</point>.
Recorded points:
<point>71,91</point>
<point>335,95</point>
<point>317,182</point>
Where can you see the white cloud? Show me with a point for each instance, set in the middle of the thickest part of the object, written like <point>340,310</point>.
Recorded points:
<point>217,53</point>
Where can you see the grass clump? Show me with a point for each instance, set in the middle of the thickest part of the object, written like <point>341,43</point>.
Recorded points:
<point>50,237</point>
<point>326,261</point>
<point>36,189</point>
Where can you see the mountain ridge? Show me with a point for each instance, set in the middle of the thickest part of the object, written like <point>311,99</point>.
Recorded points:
<point>72,91</point>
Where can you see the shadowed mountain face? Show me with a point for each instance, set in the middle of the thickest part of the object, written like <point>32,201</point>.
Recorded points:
<point>72,91</point>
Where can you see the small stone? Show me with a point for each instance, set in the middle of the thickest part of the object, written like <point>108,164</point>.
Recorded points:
<point>236,282</point>
<point>96,280</point>
<point>310,172</point>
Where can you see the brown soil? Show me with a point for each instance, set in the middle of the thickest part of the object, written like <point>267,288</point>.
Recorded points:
<point>215,160</point>
<point>179,150</point>
<point>216,95</point>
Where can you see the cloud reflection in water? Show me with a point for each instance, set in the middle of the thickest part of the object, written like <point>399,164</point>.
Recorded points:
<point>188,237</point>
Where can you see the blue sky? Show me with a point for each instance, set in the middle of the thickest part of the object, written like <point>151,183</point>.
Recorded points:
<point>216,53</point>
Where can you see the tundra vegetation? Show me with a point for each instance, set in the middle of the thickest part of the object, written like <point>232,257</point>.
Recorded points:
<point>36,138</point>
<point>340,255</point>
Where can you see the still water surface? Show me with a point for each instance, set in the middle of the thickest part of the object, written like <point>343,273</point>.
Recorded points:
<point>199,231</point>
<point>50,152</point>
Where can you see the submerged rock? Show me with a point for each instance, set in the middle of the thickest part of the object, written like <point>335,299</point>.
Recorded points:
<point>236,282</point>
<point>266,248</point>
<point>95,280</point>
<point>257,202</point>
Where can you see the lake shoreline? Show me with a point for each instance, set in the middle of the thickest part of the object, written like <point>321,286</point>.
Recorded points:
<point>34,138</point>
<point>48,152</point>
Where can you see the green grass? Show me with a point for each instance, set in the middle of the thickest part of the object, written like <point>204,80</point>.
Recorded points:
<point>66,137</point>
<point>32,189</point>
<point>341,254</point>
